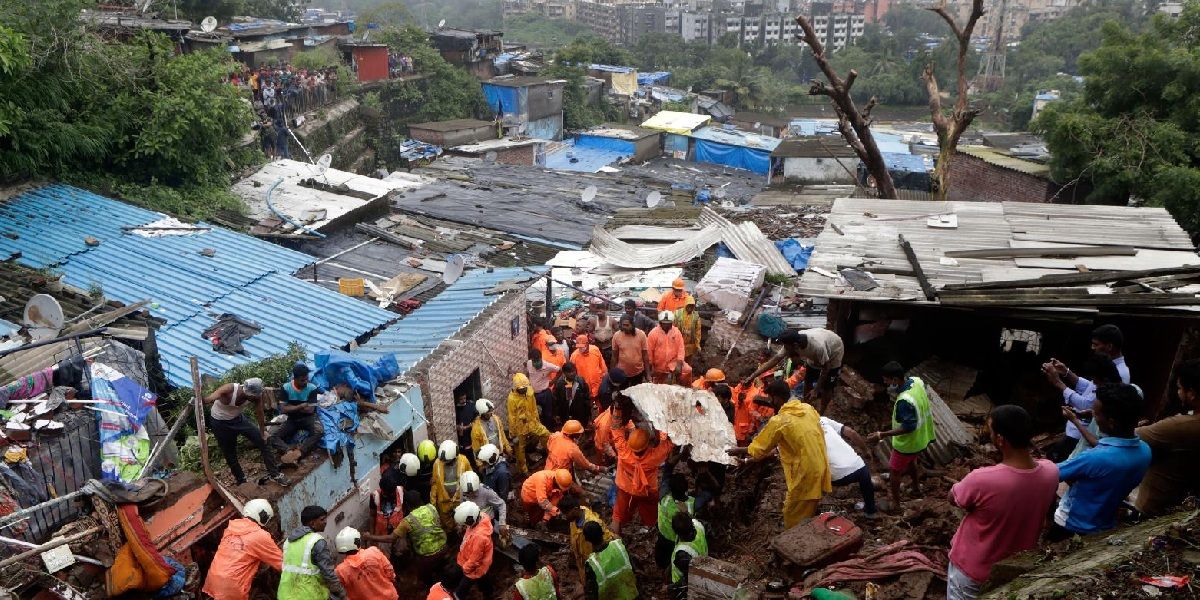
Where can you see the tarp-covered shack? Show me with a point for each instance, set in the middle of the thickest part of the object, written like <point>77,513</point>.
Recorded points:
<point>735,148</point>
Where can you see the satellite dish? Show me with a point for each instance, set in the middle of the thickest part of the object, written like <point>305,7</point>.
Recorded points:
<point>454,268</point>
<point>589,194</point>
<point>757,125</point>
<point>323,163</point>
<point>43,317</point>
<point>441,23</point>
<point>208,24</point>
<point>490,157</point>
<point>653,199</point>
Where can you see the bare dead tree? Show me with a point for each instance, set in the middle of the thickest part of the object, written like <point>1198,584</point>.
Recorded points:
<point>854,124</point>
<point>950,127</point>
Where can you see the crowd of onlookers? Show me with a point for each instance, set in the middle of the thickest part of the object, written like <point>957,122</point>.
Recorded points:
<point>399,64</point>
<point>296,90</point>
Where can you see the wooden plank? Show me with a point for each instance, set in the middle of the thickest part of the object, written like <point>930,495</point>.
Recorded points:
<point>1073,279</point>
<point>1043,252</point>
<point>930,293</point>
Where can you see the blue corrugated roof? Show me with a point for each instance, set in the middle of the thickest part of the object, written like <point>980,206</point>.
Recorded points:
<point>246,276</point>
<point>8,327</point>
<point>423,330</point>
<point>911,163</point>
<point>736,137</point>
<point>588,159</point>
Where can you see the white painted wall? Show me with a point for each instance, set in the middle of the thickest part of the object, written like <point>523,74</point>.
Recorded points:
<point>820,170</point>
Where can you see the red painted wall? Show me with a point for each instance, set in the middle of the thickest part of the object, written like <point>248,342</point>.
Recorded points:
<point>372,63</point>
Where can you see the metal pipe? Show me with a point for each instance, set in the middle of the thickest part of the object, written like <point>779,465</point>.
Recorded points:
<point>86,490</point>
<point>52,544</point>
<point>24,544</point>
<point>580,290</point>
<point>65,338</point>
<point>284,217</point>
<point>202,436</point>
<point>158,449</point>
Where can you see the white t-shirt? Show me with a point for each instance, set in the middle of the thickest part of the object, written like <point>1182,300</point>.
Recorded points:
<point>825,348</point>
<point>843,460</point>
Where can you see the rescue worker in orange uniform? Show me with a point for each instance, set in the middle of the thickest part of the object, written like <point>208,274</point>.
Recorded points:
<point>365,572</point>
<point>589,363</point>
<point>665,348</point>
<point>523,422</point>
<point>711,377</point>
<point>244,546</point>
<point>541,492</point>
<point>475,552</point>
<point>562,449</point>
<point>640,455</point>
<point>675,299</point>
<point>448,580</point>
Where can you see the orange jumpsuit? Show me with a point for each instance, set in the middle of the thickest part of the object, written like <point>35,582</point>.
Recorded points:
<point>637,478</point>
<point>591,368</point>
<point>671,303</point>
<point>244,546</point>
<point>368,575</point>
<point>563,453</point>
<point>666,351</point>
<point>540,487</point>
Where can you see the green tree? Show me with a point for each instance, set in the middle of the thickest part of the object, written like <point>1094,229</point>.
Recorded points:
<point>592,50</point>
<point>1132,131</point>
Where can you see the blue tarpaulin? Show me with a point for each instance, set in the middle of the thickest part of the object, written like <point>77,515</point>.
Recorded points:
<point>653,77</point>
<point>336,367</point>
<point>610,68</point>
<point>502,99</point>
<point>795,253</point>
<point>750,159</point>
<point>585,140</point>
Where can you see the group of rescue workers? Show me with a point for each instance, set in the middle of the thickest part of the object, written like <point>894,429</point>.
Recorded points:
<point>457,491</point>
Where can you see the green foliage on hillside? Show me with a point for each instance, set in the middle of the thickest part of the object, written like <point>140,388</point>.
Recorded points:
<point>541,32</point>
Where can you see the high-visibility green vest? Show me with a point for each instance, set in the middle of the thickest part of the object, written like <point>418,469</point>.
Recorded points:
<point>613,572</point>
<point>538,587</point>
<point>667,507</point>
<point>425,531</point>
<point>697,547</point>
<point>919,438</point>
<point>301,579</point>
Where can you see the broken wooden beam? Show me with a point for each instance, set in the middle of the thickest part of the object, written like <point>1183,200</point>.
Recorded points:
<point>1075,278</point>
<point>1058,252</point>
<point>385,235</point>
<point>930,293</point>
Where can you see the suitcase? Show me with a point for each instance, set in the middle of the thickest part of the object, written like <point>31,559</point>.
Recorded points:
<point>819,540</point>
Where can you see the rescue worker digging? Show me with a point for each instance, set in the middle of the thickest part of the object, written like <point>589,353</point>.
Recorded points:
<point>308,572</point>
<point>541,493</point>
<point>244,547</point>
<point>365,572</point>
<point>796,431</point>
<point>562,449</point>
<point>579,515</point>
<point>426,538</point>
<point>537,581</point>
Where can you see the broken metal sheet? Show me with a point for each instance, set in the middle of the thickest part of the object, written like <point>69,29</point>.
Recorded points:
<point>623,254</point>
<point>748,243</point>
<point>690,417</point>
<point>654,233</point>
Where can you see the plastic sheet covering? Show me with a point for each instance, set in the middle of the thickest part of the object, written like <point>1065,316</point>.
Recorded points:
<point>653,77</point>
<point>675,122</point>
<point>758,161</point>
<point>689,416</point>
<point>605,143</point>
<point>335,367</point>
<point>504,100</point>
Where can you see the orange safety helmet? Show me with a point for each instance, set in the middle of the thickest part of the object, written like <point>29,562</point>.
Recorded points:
<point>714,375</point>
<point>639,440</point>
<point>572,427</point>
<point>563,478</point>
<point>678,284</point>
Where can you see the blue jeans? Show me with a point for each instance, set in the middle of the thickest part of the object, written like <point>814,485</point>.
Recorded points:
<point>499,479</point>
<point>866,487</point>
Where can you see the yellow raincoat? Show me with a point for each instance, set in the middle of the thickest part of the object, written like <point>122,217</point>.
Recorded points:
<point>479,435</point>
<point>796,431</point>
<point>689,326</point>
<point>439,496</point>
<point>580,548</point>
<point>523,422</point>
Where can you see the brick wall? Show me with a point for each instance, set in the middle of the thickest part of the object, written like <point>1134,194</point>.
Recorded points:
<point>486,344</point>
<point>522,156</point>
<point>973,179</point>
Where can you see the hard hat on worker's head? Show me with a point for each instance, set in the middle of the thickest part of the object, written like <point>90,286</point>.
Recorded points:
<point>488,454</point>
<point>639,439</point>
<point>666,316</point>
<point>259,511</point>
<point>466,513</point>
<point>470,482</point>
<point>347,540</point>
<point>410,464</point>
<point>714,375</point>
<point>677,284</point>
<point>426,451</point>
<point>484,406</point>
<point>572,427</point>
<point>448,450</point>
<point>563,478</point>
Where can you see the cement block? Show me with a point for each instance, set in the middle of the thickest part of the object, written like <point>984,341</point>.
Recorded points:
<point>713,579</point>
<point>730,284</point>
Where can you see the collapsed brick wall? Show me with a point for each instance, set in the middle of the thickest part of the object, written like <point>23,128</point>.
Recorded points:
<point>975,180</point>
<point>487,344</point>
<point>521,156</point>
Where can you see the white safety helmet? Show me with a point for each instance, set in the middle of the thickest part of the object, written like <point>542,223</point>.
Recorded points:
<point>448,450</point>
<point>666,316</point>
<point>488,454</point>
<point>410,464</point>
<point>466,513</point>
<point>347,540</point>
<point>470,482</point>
<point>259,511</point>
<point>484,406</point>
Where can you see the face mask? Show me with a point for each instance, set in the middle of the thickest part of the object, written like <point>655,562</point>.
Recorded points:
<point>893,389</point>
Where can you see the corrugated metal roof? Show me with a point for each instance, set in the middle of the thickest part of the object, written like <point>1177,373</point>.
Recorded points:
<point>47,227</point>
<point>423,330</point>
<point>675,122</point>
<point>1000,159</point>
<point>736,137</point>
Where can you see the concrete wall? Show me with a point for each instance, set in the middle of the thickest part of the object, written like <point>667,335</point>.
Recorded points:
<point>450,139</point>
<point>648,148</point>
<point>487,345</point>
<point>336,129</point>
<point>546,128</point>
<point>521,156</point>
<point>544,100</point>
<point>976,180</point>
<point>820,170</point>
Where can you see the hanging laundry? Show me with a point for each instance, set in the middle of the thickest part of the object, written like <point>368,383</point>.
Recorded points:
<point>27,386</point>
<point>229,332</point>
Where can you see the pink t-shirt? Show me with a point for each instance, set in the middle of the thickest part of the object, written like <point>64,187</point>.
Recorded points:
<point>1005,511</point>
